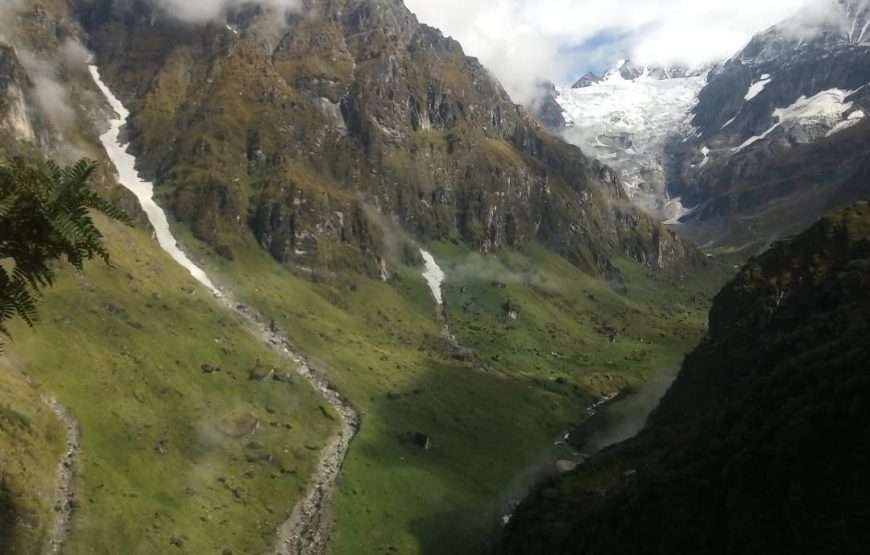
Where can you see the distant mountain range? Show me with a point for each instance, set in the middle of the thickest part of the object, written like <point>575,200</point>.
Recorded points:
<point>781,129</point>
<point>757,146</point>
<point>627,70</point>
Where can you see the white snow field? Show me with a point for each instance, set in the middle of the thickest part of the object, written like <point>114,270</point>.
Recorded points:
<point>626,123</point>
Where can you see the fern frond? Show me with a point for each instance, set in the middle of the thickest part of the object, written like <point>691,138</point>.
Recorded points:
<point>44,216</point>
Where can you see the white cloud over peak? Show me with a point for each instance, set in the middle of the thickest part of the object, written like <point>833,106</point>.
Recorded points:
<point>522,41</point>
<point>200,11</point>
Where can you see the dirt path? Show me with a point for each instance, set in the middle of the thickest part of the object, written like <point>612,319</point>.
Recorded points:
<point>309,527</point>
<point>64,497</point>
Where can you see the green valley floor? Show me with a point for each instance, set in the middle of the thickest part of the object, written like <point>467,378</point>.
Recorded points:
<point>184,449</point>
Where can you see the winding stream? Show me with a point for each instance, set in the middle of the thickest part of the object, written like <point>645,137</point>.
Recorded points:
<point>309,527</point>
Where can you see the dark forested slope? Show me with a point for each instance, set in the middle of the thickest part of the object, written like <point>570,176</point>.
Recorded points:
<point>761,445</point>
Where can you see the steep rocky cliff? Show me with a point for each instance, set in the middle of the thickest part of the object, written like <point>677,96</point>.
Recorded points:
<point>13,106</point>
<point>315,134</point>
<point>49,105</point>
<point>761,444</point>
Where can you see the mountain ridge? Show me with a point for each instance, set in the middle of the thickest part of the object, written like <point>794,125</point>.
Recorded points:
<point>796,86</point>
<point>452,127</point>
<point>713,159</point>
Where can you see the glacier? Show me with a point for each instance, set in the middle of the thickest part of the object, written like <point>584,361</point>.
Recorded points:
<point>626,124</point>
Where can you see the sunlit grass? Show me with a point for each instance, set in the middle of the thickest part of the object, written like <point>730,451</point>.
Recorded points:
<point>123,348</point>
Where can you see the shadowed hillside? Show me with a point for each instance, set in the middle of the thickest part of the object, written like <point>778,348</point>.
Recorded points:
<point>761,445</point>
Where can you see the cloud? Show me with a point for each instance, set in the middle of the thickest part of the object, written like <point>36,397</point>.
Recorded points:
<point>850,19</point>
<point>522,41</point>
<point>10,6</point>
<point>626,417</point>
<point>8,23</point>
<point>52,98</point>
<point>200,11</point>
<point>74,54</point>
<point>47,79</point>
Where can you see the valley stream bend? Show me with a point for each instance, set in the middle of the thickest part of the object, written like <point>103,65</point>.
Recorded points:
<point>309,527</point>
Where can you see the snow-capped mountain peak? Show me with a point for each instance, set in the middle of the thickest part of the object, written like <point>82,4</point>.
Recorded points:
<point>625,119</point>
<point>676,134</point>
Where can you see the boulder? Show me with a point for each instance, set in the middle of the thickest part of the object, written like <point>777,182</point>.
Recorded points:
<point>261,372</point>
<point>239,424</point>
<point>421,440</point>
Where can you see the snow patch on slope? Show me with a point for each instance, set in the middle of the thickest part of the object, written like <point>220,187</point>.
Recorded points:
<point>144,190</point>
<point>853,119</point>
<point>756,88</point>
<point>674,210</point>
<point>434,276</point>
<point>824,108</point>
<point>755,139</point>
<point>706,152</point>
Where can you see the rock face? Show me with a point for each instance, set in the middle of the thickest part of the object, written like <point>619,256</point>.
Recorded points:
<point>48,100</point>
<point>798,91</point>
<point>546,108</point>
<point>14,117</point>
<point>756,149</point>
<point>586,81</point>
<point>317,135</point>
<point>760,446</point>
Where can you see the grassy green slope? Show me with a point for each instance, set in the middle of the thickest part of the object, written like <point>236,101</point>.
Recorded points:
<point>123,348</point>
<point>492,419</point>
